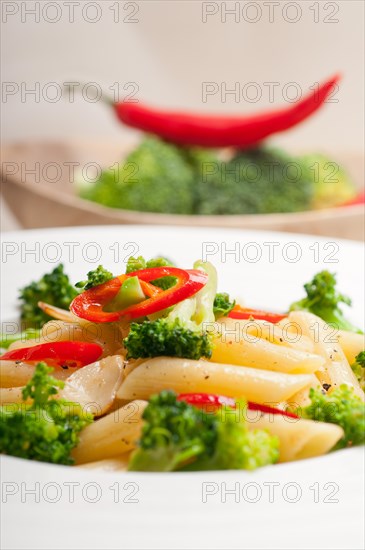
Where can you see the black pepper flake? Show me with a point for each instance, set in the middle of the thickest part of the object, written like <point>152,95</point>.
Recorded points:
<point>17,362</point>
<point>326,386</point>
<point>64,367</point>
<point>206,377</point>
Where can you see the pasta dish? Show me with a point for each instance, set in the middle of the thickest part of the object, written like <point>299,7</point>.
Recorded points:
<point>155,370</point>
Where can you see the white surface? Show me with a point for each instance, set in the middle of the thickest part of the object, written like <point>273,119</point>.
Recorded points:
<point>7,220</point>
<point>170,512</point>
<point>169,52</point>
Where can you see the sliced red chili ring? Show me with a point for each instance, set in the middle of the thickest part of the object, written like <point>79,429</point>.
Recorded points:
<point>72,354</point>
<point>239,312</point>
<point>90,304</point>
<point>212,402</point>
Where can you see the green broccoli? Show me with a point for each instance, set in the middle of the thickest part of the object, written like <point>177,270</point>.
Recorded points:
<point>222,304</point>
<point>53,288</point>
<point>96,277</point>
<point>342,407</point>
<point>359,368</point>
<point>331,184</point>
<point>45,430</point>
<point>172,339</point>
<point>178,436</point>
<point>323,300</point>
<point>254,181</point>
<point>204,162</point>
<point>135,264</point>
<point>181,332</point>
<point>28,334</point>
<point>155,177</point>
<point>237,447</point>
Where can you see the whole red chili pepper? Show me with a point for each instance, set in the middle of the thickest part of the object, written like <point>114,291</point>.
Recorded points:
<point>222,131</point>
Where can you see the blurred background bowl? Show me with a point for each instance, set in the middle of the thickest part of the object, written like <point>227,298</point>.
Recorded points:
<point>37,186</point>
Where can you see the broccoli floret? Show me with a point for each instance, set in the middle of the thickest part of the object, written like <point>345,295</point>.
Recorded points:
<point>7,339</point>
<point>204,162</point>
<point>332,186</point>
<point>178,436</point>
<point>323,300</point>
<point>358,368</point>
<point>182,332</point>
<point>45,430</point>
<point>162,337</point>
<point>222,304</point>
<point>237,447</point>
<point>95,277</point>
<point>254,181</point>
<point>155,177</point>
<point>173,434</point>
<point>53,288</point>
<point>135,264</point>
<point>342,407</point>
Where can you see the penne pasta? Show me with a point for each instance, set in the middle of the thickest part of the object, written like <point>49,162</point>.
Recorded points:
<point>351,344</point>
<point>298,438</point>
<point>95,385</point>
<point>15,374</point>
<point>185,376</point>
<point>273,333</point>
<point>336,369</point>
<point>112,435</point>
<point>229,348</point>
<point>301,399</point>
<point>10,395</point>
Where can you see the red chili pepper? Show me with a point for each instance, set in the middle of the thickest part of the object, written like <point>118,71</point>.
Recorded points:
<point>62,354</point>
<point>89,304</point>
<point>213,402</point>
<point>207,400</point>
<point>239,312</point>
<point>269,410</point>
<point>224,131</point>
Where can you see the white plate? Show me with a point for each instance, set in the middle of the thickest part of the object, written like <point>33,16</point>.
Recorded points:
<point>315,503</point>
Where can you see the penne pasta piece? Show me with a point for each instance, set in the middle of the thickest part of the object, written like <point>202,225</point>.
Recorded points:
<point>184,376</point>
<point>273,333</point>
<point>112,435</point>
<point>15,374</point>
<point>351,344</point>
<point>336,369</point>
<point>57,312</point>
<point>230,348</point>
<point>116,464</point>
<point>10,395</point>
<point>301,399</point>
<point>95,385</point>
<point>298,438</point>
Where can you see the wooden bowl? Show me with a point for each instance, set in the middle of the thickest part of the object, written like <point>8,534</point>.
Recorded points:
<point>37,186</point>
